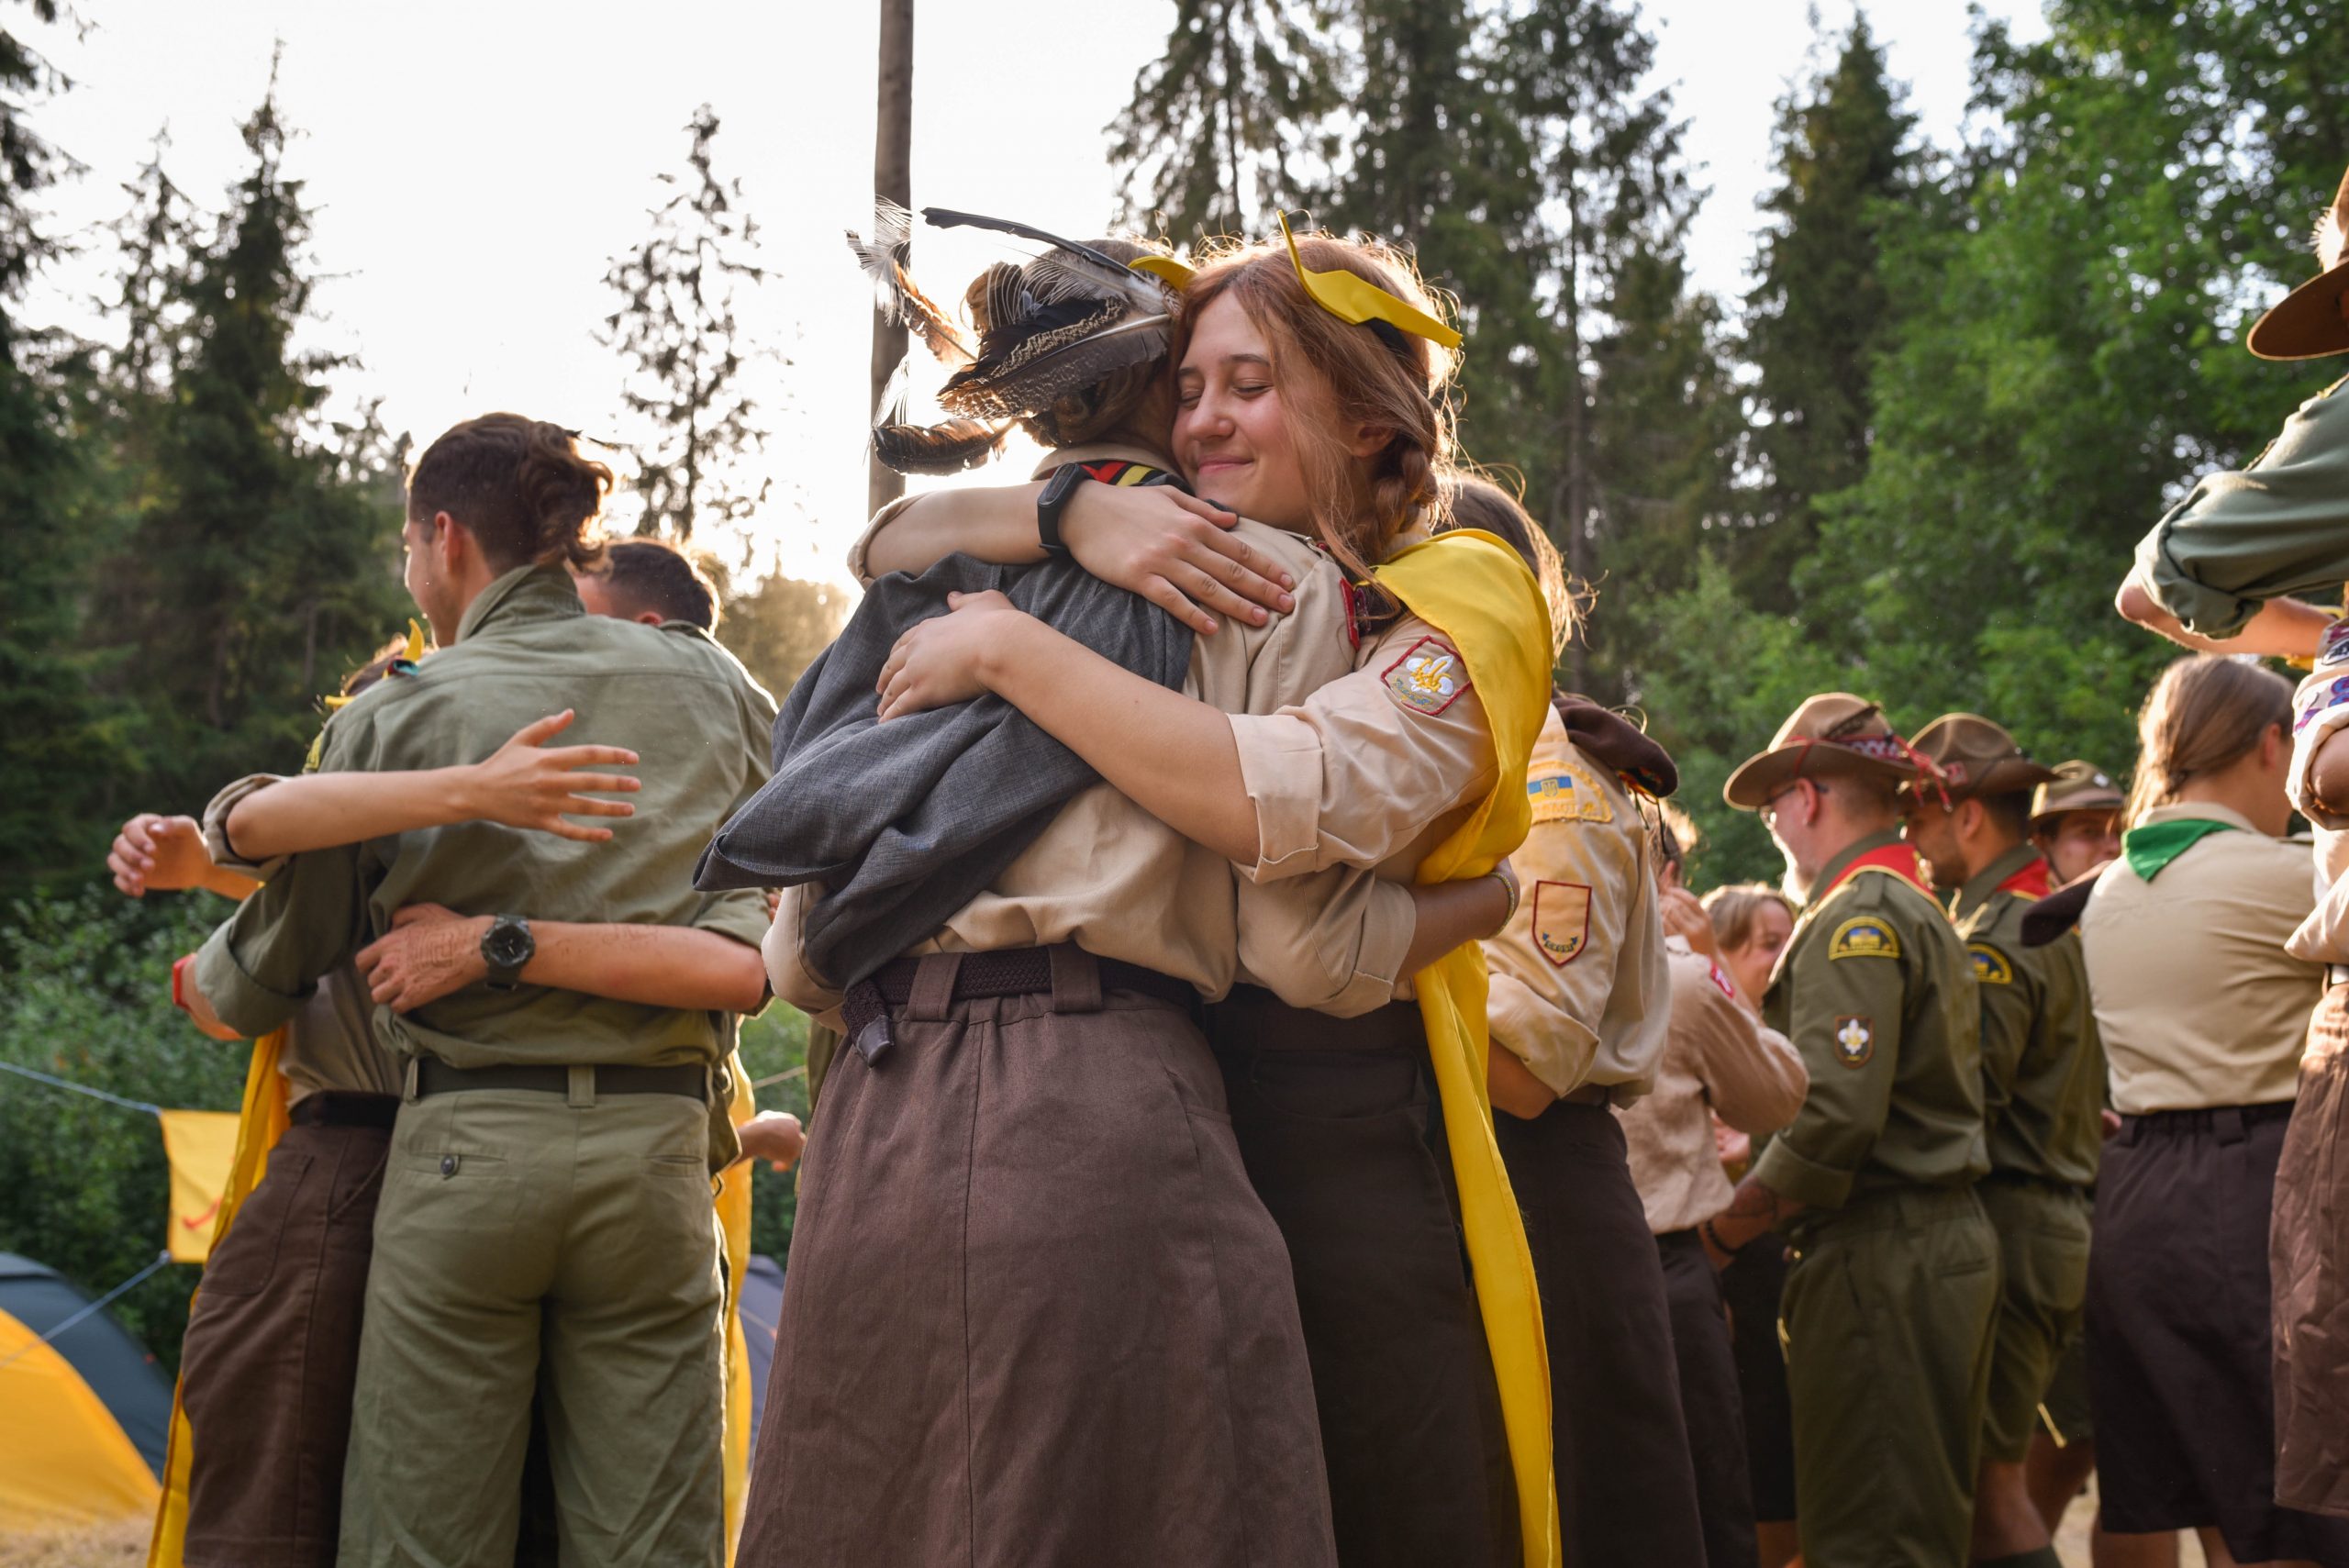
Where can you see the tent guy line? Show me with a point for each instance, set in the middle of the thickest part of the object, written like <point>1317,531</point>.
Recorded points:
<point>94,1307</point>
<point>81,1089</point>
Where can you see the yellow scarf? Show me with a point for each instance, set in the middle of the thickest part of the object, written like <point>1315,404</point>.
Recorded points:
<point>1476,589</point>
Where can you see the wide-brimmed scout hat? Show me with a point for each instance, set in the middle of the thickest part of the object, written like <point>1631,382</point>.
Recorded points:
<point>2076,787</point>
<point>2310,322</point>
<point>1831,733</point>
<point>1975,757</point>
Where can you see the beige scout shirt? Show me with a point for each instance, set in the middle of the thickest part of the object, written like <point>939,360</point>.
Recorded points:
<point>2320,707</point>
<point>2198,1001</point>
<point>1118,883</point>
<point>1720,1060</point>
<point>1580,990</point>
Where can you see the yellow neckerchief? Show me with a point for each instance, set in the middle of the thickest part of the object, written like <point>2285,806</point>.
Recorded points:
<point>734,1233</point>
<point>261,1122</point>
<point>1476,590</point>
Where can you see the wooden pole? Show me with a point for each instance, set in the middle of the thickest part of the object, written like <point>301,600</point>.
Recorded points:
<point>893,137</point>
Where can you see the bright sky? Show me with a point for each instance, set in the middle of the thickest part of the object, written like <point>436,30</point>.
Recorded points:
<point>473,165</point>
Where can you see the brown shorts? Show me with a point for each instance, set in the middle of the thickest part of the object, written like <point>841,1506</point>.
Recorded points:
<point>2309,1259</point>
<point>272,1347</point>
<point>1035,1313</point>
<point>2180,1338</point>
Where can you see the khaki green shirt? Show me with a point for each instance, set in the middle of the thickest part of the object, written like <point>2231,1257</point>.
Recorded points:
<point>1877,993</point>
<point>701,729</point>
<point>2277,528</point>
<point>2042,1065</point>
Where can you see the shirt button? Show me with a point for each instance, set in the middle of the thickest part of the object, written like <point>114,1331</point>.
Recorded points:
<point>448,1164</point>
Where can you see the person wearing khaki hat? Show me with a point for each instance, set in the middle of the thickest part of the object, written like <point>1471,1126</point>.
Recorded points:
<point>2075,819</point>
<point>2043,1073</point>
<point>1888,1310</point>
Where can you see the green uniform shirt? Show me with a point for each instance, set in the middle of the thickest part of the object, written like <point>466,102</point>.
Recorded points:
<point>699,725</point>
<point>1877,992</point>
<point>2043,1064</point>
<point>2279,529</point>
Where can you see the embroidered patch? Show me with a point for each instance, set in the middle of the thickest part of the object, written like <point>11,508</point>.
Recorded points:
<point>1561,920</point>
<point>2334,649</point>
<point>1721,982</point>
<point>1569,795</point>
<point>1990,965</point>
<point>1429,678</point>
<point>1864,936</point>
<point>1855,1039</point>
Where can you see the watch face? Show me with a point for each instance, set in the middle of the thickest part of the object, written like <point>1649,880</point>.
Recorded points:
<point>509,944</point>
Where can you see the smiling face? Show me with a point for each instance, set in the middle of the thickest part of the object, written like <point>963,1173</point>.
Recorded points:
<point>1231,435</point>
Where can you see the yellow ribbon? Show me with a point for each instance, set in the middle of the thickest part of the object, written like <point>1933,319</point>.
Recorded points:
<point>1344,294</point>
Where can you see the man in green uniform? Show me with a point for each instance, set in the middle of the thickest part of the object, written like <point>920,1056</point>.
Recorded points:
<point>2042,1071</point>
<point>1887,1316</point>
<point>545,1219</point>
<point>2076,820</point>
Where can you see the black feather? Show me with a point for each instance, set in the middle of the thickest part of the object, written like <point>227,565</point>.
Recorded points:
<point>1078,269</point>
<point>946,448</point>
<point>1029,383</point>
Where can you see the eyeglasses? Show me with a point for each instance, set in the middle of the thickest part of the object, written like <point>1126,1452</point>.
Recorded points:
<point>1769,812</point>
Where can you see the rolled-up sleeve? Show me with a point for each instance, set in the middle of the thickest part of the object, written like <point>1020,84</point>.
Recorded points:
<point>265,961</point>
<point>216,828</point>
<point>2279,528</point>
<point>860,553</point>
<point>787,973</point>
<point>1333,942</point>
<point>1353,774</point>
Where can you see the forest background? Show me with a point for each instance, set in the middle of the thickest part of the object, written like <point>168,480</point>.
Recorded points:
<point>1909,461</point>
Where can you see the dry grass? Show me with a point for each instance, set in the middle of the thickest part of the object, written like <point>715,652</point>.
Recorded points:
<point>118,1544</point>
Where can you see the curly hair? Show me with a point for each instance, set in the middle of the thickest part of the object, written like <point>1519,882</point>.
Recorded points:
<point>519,485</point>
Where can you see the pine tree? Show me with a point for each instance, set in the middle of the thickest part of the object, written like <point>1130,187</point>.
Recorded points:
<point>1819,314</point>
<point>264,566</point>
<point>1227,124</point>
<point>675,326</point>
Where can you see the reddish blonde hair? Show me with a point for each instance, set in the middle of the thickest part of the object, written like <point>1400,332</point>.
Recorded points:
<point>1338,374</point>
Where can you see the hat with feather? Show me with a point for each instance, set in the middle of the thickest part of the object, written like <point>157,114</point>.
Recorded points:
<point>1064,345</point>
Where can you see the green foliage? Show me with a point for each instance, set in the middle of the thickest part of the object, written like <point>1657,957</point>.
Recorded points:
<point>676,330</point>
<point>86,995</point>
<point>780,624</point>
<point>774,1052</point>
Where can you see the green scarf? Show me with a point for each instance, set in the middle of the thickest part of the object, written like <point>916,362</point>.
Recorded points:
<point>2152,847</point>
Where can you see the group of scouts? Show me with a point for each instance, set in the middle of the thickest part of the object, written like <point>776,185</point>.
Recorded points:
<point>1282,1099</point>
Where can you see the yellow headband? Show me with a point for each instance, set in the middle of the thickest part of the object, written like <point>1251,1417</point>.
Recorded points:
<point>1343,294</point>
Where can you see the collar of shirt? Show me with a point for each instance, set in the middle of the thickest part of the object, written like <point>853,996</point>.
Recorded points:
<point>2186,810</point>
<point>1102,451</point>
<point>1825,880</point>
<point>1985,884</point>
<point>526,594</point>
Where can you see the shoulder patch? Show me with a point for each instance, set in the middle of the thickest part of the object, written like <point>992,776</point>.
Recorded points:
<point>1854,1039</point>
<point>1990,965</point>
<point>1561,920</point>
<point>1865,936</point>
<point>1721,982</point>
<point>1568,795</point>
<point>1428,678</point>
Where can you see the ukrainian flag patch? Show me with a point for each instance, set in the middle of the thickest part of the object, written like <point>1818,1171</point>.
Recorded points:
<point>1569,795</point>
<point>1864,936</point>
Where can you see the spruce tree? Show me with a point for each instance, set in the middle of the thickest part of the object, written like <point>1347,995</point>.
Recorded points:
<point>1228,124</point>
<point>676,328</point>
<point>1819,313</point>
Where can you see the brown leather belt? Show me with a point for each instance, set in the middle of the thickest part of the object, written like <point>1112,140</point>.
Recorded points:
<point>345,1107</point>
<point>1006,972</point>
<point>434,1077</point>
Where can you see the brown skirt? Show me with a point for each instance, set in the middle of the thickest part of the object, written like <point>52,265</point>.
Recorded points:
<point>2309,1262</point>
<point>1708,1399</point>
<point>271,1351</point>
<point>1034,1315</point>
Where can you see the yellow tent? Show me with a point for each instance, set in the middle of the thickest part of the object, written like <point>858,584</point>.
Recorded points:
<point>83,1417</point>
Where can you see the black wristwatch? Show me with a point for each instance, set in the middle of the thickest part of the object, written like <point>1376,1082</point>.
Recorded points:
<point>506,947</point>
<point>1057,490</point>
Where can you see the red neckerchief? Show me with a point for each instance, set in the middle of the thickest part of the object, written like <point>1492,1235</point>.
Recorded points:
<point>2031,882</point>
<point>1899,859</point>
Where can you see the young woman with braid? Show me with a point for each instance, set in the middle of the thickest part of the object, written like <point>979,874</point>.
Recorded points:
<point>1310,395</point>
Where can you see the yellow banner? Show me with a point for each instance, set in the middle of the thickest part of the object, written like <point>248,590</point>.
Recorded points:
<point>201,1147</point>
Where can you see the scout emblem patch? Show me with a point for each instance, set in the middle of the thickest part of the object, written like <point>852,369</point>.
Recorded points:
<point>1990,965</point>
<point>1864,936</point>
<point>1562,919</point>
<point>1569,795</point>
<point>1855,1039</point>
<point>1429,678</point>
